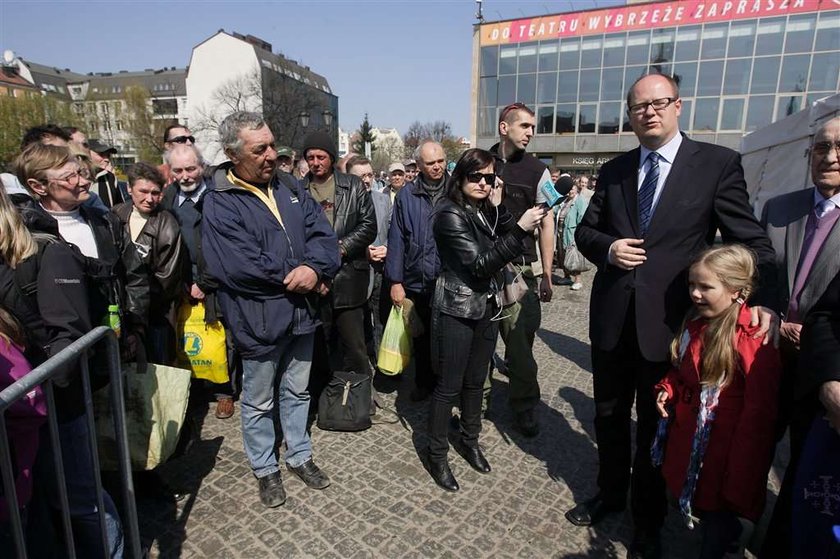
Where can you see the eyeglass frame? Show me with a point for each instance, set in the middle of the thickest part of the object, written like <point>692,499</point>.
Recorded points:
<point>78,174</point>
<point>824,148</point>
<point>489,182</point>
<point>182,140</point>
<point>639,109</point>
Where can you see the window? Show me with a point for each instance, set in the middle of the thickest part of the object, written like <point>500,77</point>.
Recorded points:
<point>705,114</point>
<point>685,115</point>
<point>590,53</point>
<point>759,111</point>
<point>686,76</point>
<point>614,50</point>
<point>741,39</point>
<point>164,106</point>
<point>489,60</point>
<point>794,73</point>
<point>547,87</point>
<point>527,58</point>
<point>770,37</point>
<point>736,80</point>
<point>487,94</point>
<point>787,105</point>
<point>567,86</point>
<point>565,119</point>
<point>507,60</point>
<point>545,120</point>
<point>662,46</point>
<point>824,71</point>
<point>587,118</point>
<point>548,55</point>
<point>828,31</point>
<point>709,78</point>
<point>609,120</point>
<point>612,82</point>
<point>526,88</point>
<point>714,41</point>
<point>590,85</point>
<point>507,90</point>
<point>119,125</point>
<point>732,114</point>
<point>487,122</point>
<point>765,75</point>
<point>800,33</point>
<point>570,54</point>
<point>631,74</point>
<point>688,44</point>
<point>638,47</point>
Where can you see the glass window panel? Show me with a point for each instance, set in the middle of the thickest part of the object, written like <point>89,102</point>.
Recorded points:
<point>526,89</point>
<point>489,60</point>
<point>631,74</point>
<point>590,85</point>
<point>614,50</point>
<point>741,38</point>
<point>825,69</point>
<point>688,44</point>
<point>788,105</point>
<point>685,115</point>
<point>570,54</point>
<point>736,81</point>
<point>794,73</point>
<point>548,56</point>
<point>705,114</point>
<point>800,33</point>
<point>625,119</point>
<point>765,75</point>
<point>507,60</point>
<point>732,115</point>
<point>815,96</point>
<point>660,69</point>
<point>770,36</point>
<point>662,46</point>
<point>547,87</point>
<point>612,84</point>
<point>759,111</point>
<point>587,118</point>
<point>609,118</point>
<point>527,58</point>
<point>714,41</point>
<point>638,47</point>
<point>545,120</point>
<point>488,92</point>
<point>686,75</point>
<point>507,90</point>
<point>567,87</point>
<point>488,120</point>
<point>828,31</point>
<point>709,78</point>
<point>590,52</point>
<point>566,118</point>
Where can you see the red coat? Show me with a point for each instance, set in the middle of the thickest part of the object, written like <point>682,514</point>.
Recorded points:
<point>741,443</point>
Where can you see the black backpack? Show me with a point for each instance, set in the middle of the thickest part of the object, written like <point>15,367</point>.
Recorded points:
<point>345,402</point>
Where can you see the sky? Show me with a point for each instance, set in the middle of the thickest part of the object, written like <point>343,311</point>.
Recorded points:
<point>399,61</point>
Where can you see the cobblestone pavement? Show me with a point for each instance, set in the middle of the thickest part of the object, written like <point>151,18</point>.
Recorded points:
<point>382,503</point>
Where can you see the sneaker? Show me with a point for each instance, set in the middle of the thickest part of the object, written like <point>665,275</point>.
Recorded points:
<point>272,493</point>
<point>310,474</point>
<point>577,286</point>
<point>564,281</point>
<point>526,423</point>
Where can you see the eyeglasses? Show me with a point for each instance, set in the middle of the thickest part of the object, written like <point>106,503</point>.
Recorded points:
<point>512,107</point>
<point>74,178</point>
<point>182,139</point>
<point>822,148</point>
<point>489,178</point>
<point>658,105</point>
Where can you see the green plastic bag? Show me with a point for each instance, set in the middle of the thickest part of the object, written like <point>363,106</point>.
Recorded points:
<point>395,349</point>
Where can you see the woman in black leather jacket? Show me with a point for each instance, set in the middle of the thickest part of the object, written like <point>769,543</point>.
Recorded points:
<point>476,237</point>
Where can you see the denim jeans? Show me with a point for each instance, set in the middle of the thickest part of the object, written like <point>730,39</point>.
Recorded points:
<point>272,386</point>
<point>81,491</point>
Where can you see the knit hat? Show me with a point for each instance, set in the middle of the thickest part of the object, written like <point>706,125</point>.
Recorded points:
<point>320,140</point>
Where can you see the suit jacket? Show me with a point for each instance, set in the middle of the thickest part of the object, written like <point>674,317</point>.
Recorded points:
<point>705,192</point>
<point>784,218</point>
<point>819,360</point>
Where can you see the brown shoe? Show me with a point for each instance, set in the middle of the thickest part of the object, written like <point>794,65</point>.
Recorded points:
<point>224,408</point>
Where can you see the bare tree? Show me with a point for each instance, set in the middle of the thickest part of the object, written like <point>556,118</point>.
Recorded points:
<point>439,131</point>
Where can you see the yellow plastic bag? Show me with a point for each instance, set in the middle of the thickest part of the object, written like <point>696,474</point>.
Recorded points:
<point>155,407</point>
<point>395,349</point>
<point>202,349</point>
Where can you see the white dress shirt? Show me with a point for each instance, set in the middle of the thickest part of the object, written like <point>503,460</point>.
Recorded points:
<point>667,154</point>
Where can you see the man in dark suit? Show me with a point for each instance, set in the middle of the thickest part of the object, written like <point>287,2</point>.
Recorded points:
<point>655,208</point>
<point>804,227</point>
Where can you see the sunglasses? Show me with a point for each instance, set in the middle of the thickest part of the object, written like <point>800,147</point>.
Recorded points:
<point>489,178</point>
<point>183,139</point>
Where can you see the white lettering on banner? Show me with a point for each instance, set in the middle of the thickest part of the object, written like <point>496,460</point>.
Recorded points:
<point>594,22</point>
<point>643,19</point>
<point>667,16</point>
<point>742,6</point>
<point>699,13</point>
<point>654,17</point>
<point>619,19</point>
<point>680,12</point>
<point>579,160</point>
<point>631,19</point>
<point>726,7</point>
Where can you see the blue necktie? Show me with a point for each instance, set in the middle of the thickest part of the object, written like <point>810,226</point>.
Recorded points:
<point>647,191</point>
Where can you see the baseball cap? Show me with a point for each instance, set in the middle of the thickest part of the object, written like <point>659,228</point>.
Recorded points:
<point>285,151</point>
<point>396,166</point>
<point>100,147</point>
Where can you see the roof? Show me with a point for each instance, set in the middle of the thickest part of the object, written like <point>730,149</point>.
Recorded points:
<point>50,78</point>
<point>167,82</point>
<point>9,76</point>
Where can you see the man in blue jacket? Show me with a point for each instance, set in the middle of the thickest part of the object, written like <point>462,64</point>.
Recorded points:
<point>272,250</point>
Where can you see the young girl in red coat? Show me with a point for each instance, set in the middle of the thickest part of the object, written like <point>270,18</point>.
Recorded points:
<point>721,395</point>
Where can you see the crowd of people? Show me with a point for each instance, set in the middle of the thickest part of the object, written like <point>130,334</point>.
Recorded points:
<point>302,262</point>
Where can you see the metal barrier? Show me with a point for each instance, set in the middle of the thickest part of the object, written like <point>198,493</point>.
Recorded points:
<point>43,375</point>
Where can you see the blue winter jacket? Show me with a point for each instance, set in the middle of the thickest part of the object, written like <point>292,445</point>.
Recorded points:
<point>247,250</point>
<point>412,258</point>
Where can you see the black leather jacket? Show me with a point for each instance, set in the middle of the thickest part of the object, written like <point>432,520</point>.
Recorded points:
<point>355,227</point>
<point>159,245</point>
<point>472,256</point>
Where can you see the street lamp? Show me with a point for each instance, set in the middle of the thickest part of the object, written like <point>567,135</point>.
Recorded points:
<point>304,118</point>
<point>328,116</point>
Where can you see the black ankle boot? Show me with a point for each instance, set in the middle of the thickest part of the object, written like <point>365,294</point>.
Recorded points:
<point>442,474</point>
<point>473,456</point>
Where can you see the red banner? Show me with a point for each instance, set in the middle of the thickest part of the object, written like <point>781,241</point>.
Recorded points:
<point>643,16</point>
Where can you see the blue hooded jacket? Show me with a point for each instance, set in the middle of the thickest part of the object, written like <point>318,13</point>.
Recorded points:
<point>249,253</point>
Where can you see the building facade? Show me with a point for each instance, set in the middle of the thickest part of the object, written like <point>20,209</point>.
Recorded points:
<point>740,65</point>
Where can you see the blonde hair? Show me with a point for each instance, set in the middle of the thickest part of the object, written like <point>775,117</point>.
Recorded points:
<point>16,242</point>
<point>36,160</point>
<point>734,266</point>
<point>10,329</point>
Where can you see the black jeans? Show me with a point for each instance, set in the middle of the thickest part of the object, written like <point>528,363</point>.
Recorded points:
<point>424,370</point>
<point>377,309</point>
<point>463,349</point>
<point>621,376</point>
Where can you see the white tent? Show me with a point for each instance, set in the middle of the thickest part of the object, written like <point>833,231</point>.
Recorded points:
<point>775,157</point>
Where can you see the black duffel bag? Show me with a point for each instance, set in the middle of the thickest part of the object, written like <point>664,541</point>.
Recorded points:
<point>345,403</point>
